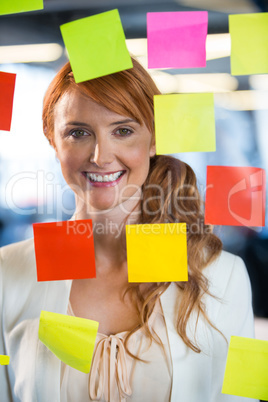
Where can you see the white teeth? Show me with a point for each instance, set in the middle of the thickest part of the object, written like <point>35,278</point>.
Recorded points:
<point>106,178</point>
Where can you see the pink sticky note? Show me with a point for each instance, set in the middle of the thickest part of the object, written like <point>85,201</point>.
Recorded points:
<point>177,39</point>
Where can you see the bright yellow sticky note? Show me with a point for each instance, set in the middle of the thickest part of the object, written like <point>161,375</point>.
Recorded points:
<point>246,372</point>
<point>249,43</point>
<point>4,360</point>
<point>19,6</point>
<point>96,46</point>
<point>157,252</point>
<point>184,123</point>
<point>71,339</point>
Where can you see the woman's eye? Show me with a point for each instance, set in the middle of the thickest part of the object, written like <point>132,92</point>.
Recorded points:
<point>78,133</point>
<point>123,132</point>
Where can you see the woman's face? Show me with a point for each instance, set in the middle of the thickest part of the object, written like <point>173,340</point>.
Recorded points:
<point>104,156</point>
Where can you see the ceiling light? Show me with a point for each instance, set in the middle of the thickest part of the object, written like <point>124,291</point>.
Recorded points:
<point>30,53</point>
<point>166,83</point>
<point>243,100</point>
<point>259,81</point>
<point>206,83</point>
<point>217,46</point>
<point>137,47</point>
<point>226,6</point>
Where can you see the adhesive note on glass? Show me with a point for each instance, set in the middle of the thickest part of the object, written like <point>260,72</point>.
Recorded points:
<point>184,123</point>
<point>64,250</point>
<point>96,46</point>
<point>246,371</point>
<point>7,87</point>
<point>157,252</point>
<point>19,6</point>
<point>249,43</point>
<point>177,39</point>
<point>235,196</point>
<point>4,360</point>
<point>71,339</point>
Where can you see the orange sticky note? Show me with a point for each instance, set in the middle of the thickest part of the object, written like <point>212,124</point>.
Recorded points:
<point>64,250</point>
<point>7,87</point>
<point>235,196</point>
<point>157,252</point>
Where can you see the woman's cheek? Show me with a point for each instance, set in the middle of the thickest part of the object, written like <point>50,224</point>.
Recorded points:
<point>138,156</point>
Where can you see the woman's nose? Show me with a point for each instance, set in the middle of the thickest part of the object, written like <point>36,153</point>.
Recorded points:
<point>101,154</point>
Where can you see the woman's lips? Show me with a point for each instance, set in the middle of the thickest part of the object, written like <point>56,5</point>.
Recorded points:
<point>107,179</point>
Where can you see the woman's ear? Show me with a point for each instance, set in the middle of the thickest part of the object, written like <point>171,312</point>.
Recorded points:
<point>152,151</point>
<point>152,147</point>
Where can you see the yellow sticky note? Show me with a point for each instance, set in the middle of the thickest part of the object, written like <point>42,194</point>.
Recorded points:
<point>249,43</point>
<point>157,252</point>
<point>96,46</point>
<point>4,360</point>
<point>19,6</point>
<point>71,339</point>
<point>246,372</point>
<point>184,123</point>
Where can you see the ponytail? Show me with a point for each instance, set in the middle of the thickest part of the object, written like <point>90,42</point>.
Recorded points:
<point>170,195</point>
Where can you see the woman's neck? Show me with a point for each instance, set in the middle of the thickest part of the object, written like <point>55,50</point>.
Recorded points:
<point>109,228</point>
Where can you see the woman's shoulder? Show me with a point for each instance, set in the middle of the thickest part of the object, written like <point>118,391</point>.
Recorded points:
<point>230,288</point>
<point>18,256</point>
<point>225,268</point>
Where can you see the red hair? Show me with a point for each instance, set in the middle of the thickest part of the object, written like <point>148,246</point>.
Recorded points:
<point>130,93</point>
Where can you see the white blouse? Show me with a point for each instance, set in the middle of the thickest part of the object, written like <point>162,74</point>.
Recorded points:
<point>115,376</point>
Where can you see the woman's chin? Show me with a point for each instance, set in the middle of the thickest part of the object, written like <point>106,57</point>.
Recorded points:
<point>100,206</point>
<point>103,204</point>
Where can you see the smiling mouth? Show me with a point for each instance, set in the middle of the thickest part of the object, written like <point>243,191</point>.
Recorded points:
<point>104,178</point>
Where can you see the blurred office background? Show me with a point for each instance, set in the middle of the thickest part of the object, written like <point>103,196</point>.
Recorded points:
<point>31,185</point>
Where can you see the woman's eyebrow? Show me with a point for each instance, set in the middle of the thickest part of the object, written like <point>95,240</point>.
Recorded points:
<point>77,123</point>
<point>123,122</point>
<point>80,123</point>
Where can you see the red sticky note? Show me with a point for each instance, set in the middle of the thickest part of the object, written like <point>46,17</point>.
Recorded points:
<point>64,250</point>
<point>7,87</point>
<point>235,196</point>
<point>177,39</point>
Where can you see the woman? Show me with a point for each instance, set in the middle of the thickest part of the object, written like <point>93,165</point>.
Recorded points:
<point>156,342</point>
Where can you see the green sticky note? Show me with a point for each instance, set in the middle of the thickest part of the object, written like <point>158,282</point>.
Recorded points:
<point>249,43</point>
<point>96,46</point>
<point>184,123</point>
<point>246,372</point>
<point>71,339</point>
<point>19,6</point>
<point>4,360</point>
<point>157,252</point>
